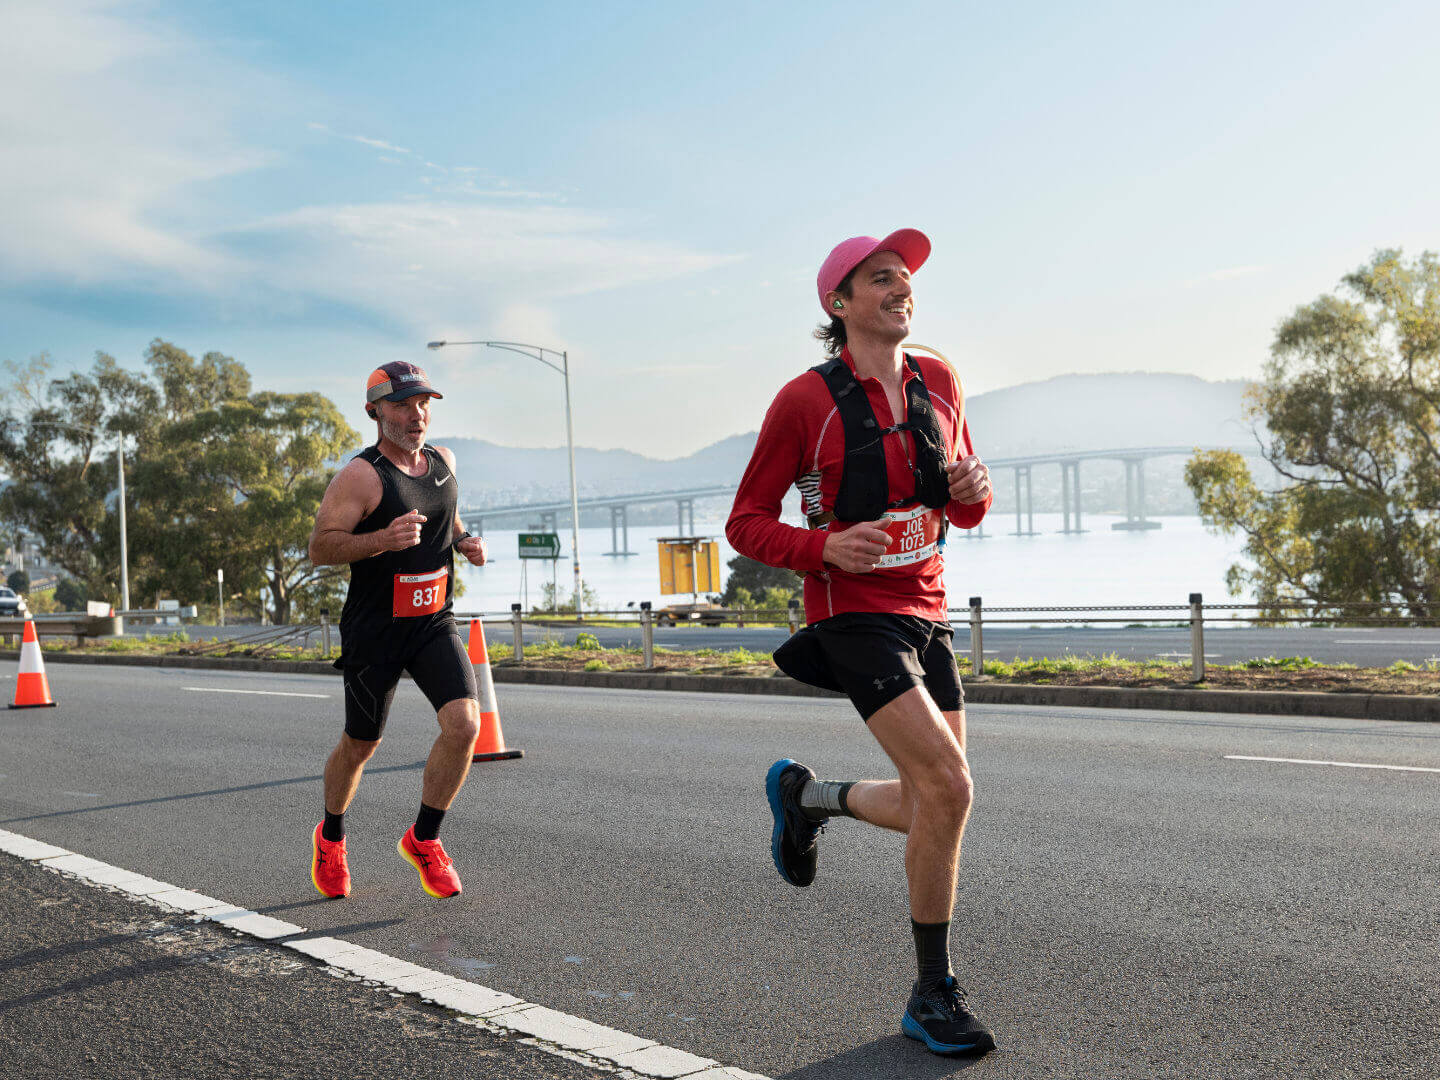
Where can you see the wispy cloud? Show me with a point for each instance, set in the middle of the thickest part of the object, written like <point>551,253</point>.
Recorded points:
<point>103,159</point>
<point>98,145</point>
<point>364,140</point>
<point>421,262</point>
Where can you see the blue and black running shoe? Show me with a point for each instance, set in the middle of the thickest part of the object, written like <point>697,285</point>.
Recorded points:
<point>792,843</point>
<point>942,1020</point>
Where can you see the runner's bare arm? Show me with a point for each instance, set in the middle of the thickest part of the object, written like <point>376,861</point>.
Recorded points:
<point>350,498</point>
<point>473,548</point>
<point>457,528</point>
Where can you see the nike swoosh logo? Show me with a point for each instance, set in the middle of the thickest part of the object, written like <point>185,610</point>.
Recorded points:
<point>446,480</point>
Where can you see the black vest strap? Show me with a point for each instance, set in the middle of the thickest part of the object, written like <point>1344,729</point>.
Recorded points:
<point>864,487</point>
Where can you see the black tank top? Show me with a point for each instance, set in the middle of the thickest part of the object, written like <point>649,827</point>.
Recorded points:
<point>370,630</point>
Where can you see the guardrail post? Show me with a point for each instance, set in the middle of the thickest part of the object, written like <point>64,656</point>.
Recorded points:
<point>647,634</point>
<point>1197,637</point>
<point>515,620</point>
<point>325,630</point>
<point>977,638</point>
<point>794,615</point>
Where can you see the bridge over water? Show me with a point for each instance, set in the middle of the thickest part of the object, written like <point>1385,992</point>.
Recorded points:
<point>1134,458</point>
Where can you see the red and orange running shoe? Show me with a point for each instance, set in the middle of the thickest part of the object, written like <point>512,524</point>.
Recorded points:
<point>328,868</point>
<point>437,875</point>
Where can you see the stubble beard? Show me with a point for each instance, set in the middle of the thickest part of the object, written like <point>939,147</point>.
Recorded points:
<point>400,437</point>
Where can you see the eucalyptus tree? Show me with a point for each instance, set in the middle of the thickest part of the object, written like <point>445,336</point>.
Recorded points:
<point>1348,415</point>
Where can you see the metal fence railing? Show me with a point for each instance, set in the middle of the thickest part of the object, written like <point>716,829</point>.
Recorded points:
<point>1195,614</point>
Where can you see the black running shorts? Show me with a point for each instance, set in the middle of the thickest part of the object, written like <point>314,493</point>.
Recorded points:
<point>441,668</point>
<point>874,658</point>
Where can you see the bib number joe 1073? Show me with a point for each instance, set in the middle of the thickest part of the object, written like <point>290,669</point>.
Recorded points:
<point>420,594</point>
<point>914,536</point>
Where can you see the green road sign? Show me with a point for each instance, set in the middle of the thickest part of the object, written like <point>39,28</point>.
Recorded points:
<point>539,546</point>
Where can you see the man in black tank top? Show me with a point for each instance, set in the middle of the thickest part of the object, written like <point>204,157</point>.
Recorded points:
<point>391,514</point>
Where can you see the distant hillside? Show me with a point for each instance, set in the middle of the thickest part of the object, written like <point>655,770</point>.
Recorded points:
<point>1069,412</point>
<point>1097,412</point>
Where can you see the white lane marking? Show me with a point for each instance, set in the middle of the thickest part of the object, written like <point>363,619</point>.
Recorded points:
<point>558,1033</point>
<point>265,693</point>
<point>1423,643</point>
<point>1341,764</point>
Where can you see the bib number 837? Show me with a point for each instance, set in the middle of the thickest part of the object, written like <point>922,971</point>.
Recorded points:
<point>420,594</point>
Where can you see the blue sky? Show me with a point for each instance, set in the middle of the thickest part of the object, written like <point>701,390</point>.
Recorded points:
<point>318,188</point>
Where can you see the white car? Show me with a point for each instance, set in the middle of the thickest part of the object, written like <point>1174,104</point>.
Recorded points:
<point>11,603</point>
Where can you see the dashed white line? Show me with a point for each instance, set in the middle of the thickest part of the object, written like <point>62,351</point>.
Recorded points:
<point>1340,764</point>
<point>571,1037</point>
<point>262,693</point>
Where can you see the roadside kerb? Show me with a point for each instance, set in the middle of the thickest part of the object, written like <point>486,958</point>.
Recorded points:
<point>600,1048</point>
<point>1357,706</point>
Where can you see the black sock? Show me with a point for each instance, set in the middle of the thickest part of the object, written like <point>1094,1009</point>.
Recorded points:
<point>334,827</point>
<point>821,799</point>
<point>932,953</point>
<point>427,825</point>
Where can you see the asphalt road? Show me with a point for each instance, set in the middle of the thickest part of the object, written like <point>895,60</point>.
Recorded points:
<point>96,985</point>
<point>1133,902</point>
<point>1379,647</point>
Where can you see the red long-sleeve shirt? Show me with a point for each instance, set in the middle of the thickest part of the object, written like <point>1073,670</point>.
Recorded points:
<point>802,442</point>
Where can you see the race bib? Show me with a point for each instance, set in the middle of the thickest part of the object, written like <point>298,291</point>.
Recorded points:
<point>420,594</point>
<point>914,536</point>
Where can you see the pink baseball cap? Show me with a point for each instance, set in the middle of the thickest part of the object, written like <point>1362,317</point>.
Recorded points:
<point>911,245</point>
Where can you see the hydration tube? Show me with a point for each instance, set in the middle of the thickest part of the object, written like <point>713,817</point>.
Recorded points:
<point>960,427</point>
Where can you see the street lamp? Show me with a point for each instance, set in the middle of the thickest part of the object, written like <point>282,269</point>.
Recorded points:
<point>120,466</point>
<point>536,352</point>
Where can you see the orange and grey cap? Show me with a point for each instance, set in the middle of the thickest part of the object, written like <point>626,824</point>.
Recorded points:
<point>397,381</point>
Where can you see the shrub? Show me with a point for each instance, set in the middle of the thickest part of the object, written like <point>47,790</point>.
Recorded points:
<point>1282,663</point>
<point>588,642</point>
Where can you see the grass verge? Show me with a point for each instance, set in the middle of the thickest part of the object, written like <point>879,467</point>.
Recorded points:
<point>1291,673</point>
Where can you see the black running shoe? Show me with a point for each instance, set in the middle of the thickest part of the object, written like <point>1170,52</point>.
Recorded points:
<point>792,844</point>
<point>942,1020</point>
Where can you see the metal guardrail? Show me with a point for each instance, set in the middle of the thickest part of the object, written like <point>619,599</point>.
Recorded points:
<point>1194,614</point>
<point>62,624</point>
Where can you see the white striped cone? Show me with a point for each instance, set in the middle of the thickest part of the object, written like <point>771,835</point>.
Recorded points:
<point>490,746</point>
<point>32,689</point>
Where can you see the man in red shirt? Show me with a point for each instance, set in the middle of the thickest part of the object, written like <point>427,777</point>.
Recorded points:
<point>877,444</point>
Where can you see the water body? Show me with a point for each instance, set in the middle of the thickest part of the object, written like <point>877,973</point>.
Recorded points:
<point>1101,566</point>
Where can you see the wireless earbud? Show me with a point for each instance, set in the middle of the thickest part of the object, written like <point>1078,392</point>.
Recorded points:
<point>370,412</point>
<point>838,305</point>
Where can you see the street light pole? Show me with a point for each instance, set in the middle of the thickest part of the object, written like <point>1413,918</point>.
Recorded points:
<point>124,547</point>
<point>537,352</point>
<point>574,495</point>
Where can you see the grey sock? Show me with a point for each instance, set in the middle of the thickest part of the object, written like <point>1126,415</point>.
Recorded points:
<point>821,799</point>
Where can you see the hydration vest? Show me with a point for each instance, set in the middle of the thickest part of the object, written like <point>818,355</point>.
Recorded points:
<point>864,488</point>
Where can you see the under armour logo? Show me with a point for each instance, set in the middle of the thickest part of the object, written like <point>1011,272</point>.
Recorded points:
<point>881,681</point>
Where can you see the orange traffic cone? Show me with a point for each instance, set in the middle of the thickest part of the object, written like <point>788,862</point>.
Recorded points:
<point>490,746</point>
<point>32,689</point>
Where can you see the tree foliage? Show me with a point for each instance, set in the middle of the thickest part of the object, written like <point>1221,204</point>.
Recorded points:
<point>218,478</point>
<point>1350,408</point>
<point>761,585</point>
